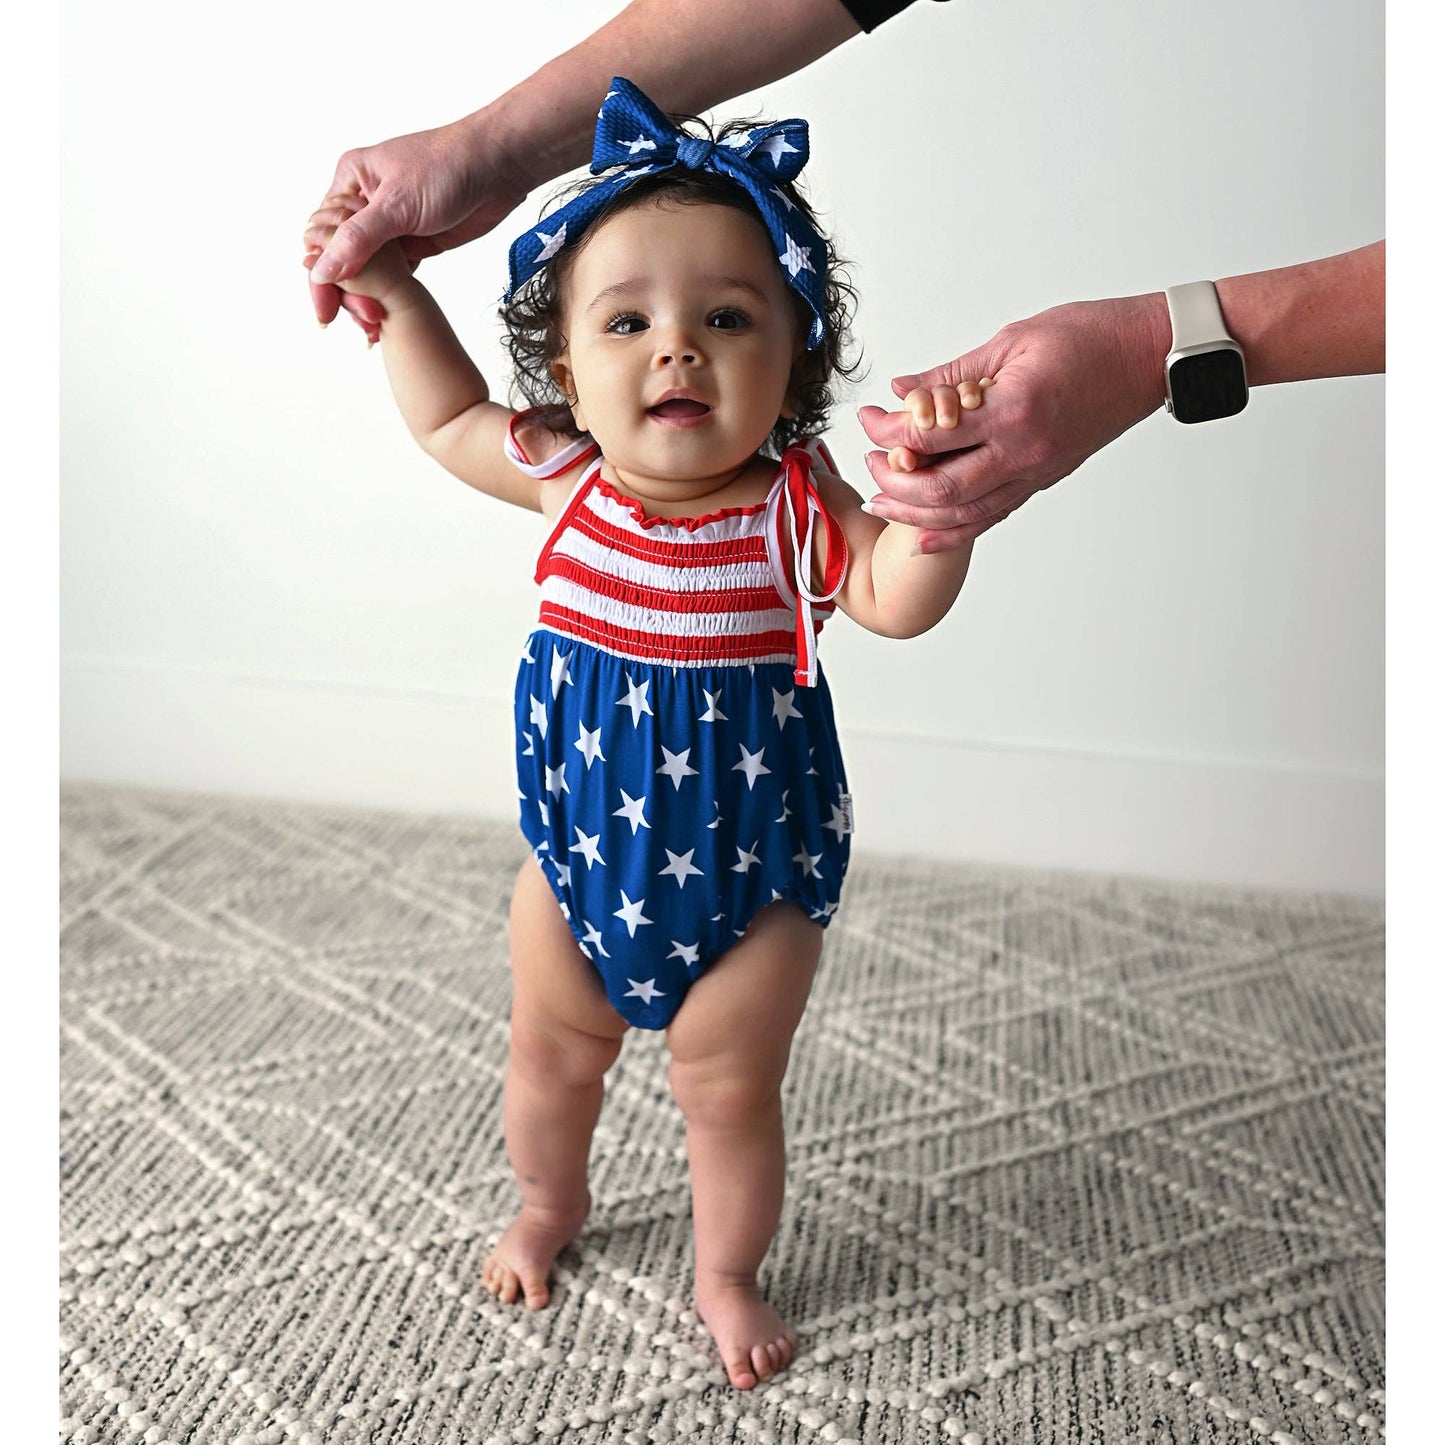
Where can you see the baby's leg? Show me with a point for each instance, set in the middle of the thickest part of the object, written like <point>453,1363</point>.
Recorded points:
<point>564,1038</point>
<point>729,1044</point>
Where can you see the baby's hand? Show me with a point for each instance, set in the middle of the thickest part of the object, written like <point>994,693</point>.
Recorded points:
<point>378,284</point>
<point>939,406</point>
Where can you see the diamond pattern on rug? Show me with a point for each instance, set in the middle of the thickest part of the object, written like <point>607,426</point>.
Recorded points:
<point>1071,1159</point>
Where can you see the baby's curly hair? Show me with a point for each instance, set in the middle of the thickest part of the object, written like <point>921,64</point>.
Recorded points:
<point>533,316</point>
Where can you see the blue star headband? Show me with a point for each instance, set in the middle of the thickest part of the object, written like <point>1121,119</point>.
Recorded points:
<point>634,135</point>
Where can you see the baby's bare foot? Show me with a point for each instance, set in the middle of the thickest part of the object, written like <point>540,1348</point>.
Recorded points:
<point>751,1336</point>
<point>520,1263</point>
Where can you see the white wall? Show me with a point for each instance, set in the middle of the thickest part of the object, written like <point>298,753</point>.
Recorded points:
<point>1170,664</point>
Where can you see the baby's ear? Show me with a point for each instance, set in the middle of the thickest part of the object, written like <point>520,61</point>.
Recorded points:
<point>562,375</point>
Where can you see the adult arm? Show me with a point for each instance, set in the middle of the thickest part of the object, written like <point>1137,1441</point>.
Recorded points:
<point>437,189</point>
<point>1070,380</point>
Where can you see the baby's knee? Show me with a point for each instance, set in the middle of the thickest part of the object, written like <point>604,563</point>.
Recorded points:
<point>555,1053</point>
<point>714,1094</point>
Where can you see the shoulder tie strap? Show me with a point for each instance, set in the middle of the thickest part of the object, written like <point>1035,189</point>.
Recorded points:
<point>556,464</point>
<point>805,508</point>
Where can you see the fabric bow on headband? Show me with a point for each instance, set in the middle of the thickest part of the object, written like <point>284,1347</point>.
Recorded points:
<point>634,134</point>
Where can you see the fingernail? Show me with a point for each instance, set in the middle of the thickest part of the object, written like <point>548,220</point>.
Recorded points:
<point>322,324</point>
<point>868,507</point>
<point>917,550</point>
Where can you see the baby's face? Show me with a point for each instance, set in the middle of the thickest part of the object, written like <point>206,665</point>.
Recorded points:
<point>681,340</point>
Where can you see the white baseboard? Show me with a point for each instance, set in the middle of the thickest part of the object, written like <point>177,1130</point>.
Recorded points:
<point>1185,820</point>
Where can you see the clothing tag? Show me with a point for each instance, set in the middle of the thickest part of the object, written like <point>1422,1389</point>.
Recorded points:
<point>845,801</point>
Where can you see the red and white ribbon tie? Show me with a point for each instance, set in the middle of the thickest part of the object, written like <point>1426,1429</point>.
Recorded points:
<point>805,509</point>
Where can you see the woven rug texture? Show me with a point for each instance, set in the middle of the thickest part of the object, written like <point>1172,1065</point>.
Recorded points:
<point>1071,1159</point>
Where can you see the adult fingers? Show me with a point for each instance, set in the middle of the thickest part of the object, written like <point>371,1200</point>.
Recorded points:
<point>356,240</point>
<point>326,302</point>
<point>943,495</point>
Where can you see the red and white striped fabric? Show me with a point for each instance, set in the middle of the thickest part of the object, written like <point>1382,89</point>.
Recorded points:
<point>728,588</point>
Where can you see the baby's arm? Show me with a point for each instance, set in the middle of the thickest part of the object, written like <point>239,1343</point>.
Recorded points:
<point>891,589</point>
<point>442,397</point>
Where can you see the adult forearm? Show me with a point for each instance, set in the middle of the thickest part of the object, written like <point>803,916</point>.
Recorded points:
<point>1320,318</point>
<point>1296,323</point>
<point>688,55</point>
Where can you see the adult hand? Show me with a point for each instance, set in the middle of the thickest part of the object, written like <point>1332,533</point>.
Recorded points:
<point>432,190</point>
<point>1065,383</point>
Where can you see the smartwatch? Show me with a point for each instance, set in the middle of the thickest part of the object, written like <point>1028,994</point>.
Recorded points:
<point>1204,371</point>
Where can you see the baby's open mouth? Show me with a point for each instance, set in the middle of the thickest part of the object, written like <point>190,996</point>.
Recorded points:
<point>677,407</point>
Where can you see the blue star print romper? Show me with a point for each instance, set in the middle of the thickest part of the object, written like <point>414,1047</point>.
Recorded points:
<point>677,758</point>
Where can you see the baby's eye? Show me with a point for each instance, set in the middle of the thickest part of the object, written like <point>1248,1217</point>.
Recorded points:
<point>627,323</point>
<point>728,319</point>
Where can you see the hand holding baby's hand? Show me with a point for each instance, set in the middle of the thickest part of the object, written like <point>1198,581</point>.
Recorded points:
<point>937,406</point>
<point>374,289</point>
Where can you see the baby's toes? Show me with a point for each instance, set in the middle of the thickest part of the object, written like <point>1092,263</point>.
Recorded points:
<point>741,1372</point>
<point>535,1292</point>
<point>505,1284</point>
<point>765,1365</point>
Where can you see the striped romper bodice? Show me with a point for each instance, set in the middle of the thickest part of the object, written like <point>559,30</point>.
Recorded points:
<point>725,589</point>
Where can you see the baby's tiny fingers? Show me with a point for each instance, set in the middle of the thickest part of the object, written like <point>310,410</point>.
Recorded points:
<point>919,405</point>
<point>945,406</point>
<point>902,459</point>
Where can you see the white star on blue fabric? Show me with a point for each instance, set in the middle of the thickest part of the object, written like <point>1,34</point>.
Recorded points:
<point>714,713</point>
<point>783,707</point>
<point>593,939</point>
<point>636,699</point>
<point>631,914</point>
<point>642,143</point>
<point>539,714</point>
<point>546,816</point>
<point>838,822</point>
<point>550,246</point>
<point>775,148</point>
<point>564,873</point>
<point>557,781</point>
<point>808,862</point>
<point>783,196</point>
<point>528,750</point>
<point>687,952</point>
<point>751,766</point>
<point>746,859</point>
<point>587,847</point>
<point>561,671</point>
<point>631,809</point>
<point>589,744</point>
<point>676,767</point>
<point>711,826</point>
<point>646,990</point>
<point>787,811</point>
<point>796,257</point>
<point>527,651</point>
<point>679,866</point>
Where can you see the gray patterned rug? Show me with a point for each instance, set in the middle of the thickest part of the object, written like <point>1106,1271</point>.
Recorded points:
<point>1072,1159</point>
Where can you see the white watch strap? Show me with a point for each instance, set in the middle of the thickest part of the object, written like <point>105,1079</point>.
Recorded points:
<point>1195,315</point>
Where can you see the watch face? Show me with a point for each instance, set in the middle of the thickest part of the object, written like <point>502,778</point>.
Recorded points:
<point>1208,385</point>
